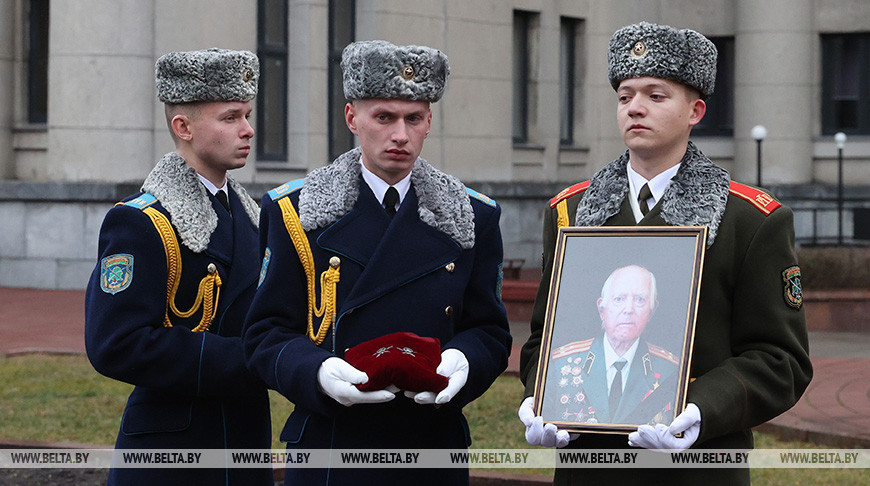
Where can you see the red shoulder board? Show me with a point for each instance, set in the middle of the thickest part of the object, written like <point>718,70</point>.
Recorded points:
<point>572,348</point>
<point>760,199</point>
<point>568,192</point>
<point>662,353</point>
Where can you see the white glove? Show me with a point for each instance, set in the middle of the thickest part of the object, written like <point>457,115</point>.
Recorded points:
<point>662,436</point>
<point>336,378</point>
<point>454,366</point>
<point>539,434</point>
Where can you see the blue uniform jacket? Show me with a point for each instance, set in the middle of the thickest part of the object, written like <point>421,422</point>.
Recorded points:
<point>394,277</point>
<point>192,389</point>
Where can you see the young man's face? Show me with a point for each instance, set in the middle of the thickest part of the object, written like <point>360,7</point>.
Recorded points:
<point>221,134</point>
<point>655,116</point>
<point>391,134</point>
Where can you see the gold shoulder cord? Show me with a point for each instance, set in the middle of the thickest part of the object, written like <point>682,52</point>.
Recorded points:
<point>562,211</point>
<point>328,279</point>
<point>209,286</point>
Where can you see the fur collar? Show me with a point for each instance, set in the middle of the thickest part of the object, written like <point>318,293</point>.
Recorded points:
<point>696,195</point>
<point>177,187</point>
<point>330,192</point>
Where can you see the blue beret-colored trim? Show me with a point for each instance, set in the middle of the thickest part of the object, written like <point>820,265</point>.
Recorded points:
<point>286,188</point>
<point>481,197</point>
<point>142,201</point>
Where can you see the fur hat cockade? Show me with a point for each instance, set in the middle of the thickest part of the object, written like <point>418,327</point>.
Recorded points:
<point>379,69</point>
<point>207,75</point>
<point>661,51</point>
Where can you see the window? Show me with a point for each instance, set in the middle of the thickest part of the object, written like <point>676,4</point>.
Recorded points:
<point>37,62</point>
<point>524,24</point>
<point>571,29</point>
<point>341,33</point>
<point>846,83</point>
<point>272,97</point>
<point>719,119</point>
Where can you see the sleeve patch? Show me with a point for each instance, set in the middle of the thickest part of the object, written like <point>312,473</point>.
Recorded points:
<point>499,283</point>
<point>792,292</point>
<point>116,273</point>
<point>267,257</point>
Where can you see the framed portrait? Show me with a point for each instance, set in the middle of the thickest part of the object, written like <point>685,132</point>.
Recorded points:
<point>620,321</point>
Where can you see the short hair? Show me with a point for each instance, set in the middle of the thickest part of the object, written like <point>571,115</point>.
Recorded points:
<point>653,292</point>
<point>191,110</point>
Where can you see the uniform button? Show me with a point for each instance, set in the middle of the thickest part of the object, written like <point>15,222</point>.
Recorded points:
<point>211,268</point>
<point>450,267</point>
<point>334,262</point>
<point>448,311</point>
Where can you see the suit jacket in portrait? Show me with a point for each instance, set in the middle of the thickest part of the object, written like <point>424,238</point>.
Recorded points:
<point>578,388</point>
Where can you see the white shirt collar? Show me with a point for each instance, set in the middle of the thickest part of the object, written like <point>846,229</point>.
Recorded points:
<point>611,357</point>
<point>213,189</point>
<point>657,186</point>
<point>379,186</point>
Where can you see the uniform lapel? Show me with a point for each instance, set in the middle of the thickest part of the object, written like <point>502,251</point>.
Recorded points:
<point>220,243</point>
<point>245,244</point>
<point>392,252</point>
<point>636,387</point>
<point>625,216</point>
<point>596,382</point>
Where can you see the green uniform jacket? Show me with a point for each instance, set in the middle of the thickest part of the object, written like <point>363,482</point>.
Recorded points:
<point>750,361</point>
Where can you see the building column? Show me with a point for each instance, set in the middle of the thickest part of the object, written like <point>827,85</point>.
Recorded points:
<point>101,94</point>
<point>774,87</point>
<point>7,85</point>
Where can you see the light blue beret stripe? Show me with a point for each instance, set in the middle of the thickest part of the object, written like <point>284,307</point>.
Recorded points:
<point>142,201</point>
<point>285,189</point>
<point>480,197</point>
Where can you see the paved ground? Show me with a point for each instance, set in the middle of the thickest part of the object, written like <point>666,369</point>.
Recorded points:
<point>835,410</point>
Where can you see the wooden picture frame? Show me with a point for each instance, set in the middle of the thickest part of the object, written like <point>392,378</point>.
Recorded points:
<point>627,296</point>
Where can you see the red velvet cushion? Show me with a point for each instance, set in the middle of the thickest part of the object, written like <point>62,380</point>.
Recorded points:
<point>403,359</point>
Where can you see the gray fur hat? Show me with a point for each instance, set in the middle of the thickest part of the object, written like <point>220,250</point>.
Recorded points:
<point>379,69</point>
<point>207,75</point>
<point>661,51</point>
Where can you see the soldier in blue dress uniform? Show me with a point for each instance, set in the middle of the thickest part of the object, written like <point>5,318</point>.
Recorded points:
<point>344,262</point>
<point>177,270</point>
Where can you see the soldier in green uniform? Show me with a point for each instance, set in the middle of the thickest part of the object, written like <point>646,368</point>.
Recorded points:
<point>750,361</point>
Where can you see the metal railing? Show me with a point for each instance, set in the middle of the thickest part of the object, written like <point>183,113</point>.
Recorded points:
<point>831,221</point>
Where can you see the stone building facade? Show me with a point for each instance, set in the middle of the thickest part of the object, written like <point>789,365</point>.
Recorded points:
<point>528,109</point>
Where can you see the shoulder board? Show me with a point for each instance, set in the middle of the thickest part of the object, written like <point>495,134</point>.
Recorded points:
<point>760,199</point>
<point>662,353</point>
<point>481,197</point>
<point>572,348</point>
<point>568,192</point>
<point>285,189</point>
<point>141,202</point>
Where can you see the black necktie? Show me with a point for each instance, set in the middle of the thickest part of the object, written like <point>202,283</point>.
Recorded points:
<point>391,197</point>
<point>642,197</point>
<point>616,388</point>
<point>222,197</point>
